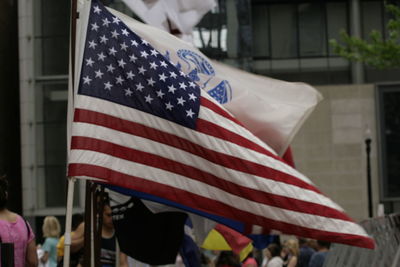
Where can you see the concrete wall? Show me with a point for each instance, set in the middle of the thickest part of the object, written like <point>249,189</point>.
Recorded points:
<point>330,147</point>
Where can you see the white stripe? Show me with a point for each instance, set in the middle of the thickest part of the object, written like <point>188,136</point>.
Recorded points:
<point>180,156</point>
<point>127,113</point>
<point>189,185</point>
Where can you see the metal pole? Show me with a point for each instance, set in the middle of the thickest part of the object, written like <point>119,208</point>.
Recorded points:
<point>368,151</point>
<point>68,220</point>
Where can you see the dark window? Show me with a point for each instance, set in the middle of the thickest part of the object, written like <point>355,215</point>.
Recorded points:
<point>389,126</point>
<point>52,37</point>
<point>51,127</point>
<point>312,30</point>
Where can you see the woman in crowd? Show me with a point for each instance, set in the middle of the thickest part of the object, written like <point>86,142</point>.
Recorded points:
<point>51,230</point>
<point>14,229</point>
<point>290,253</point>
<point>273,253</point>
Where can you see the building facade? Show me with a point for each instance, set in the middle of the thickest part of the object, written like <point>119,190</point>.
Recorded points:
<point>288,40</point>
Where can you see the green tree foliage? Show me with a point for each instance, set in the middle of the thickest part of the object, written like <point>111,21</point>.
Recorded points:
<point>377,52</point>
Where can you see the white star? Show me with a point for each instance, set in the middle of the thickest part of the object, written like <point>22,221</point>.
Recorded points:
<point>148,98</point>
<point>132,58</point>
<point>154,52</point>
<point>133,42</point>
<point>150,82</point>
<point>99,74</point>
<point>103,39</point>
<point>92,44</point>
<point>145,42</point>
<point>168,106</point>
<point>192,84</point>
<point>171,89</point>
<point>121,63</point>
<point>130,75</point>
<point>112,51</point>
<point>153,65</point>
<point>107,86</point>
<point>128,92</point>
<point>95,26</point>
<point>101,56</point>
<point>106,22</point>
<point>139,87</point>
<point>119,80</point>
<point>162,77</point>
<point>97,10</point>
<point>114,34</point>
<point>189,113</point>
<point>173,74</point>
<point>143,54</point>
<point>163,64</point>
<point>125,32</point>
<point>142,70</point>
<point>182,85</point>
<point>192,97</point>
<point>116,20</point>
<point>110,68</point>
<point>89,62</point>
<point>181,101</point>
<point>160,94</point>
<point>86,80</point>
<point>182,73</point>
<point>123,46</point>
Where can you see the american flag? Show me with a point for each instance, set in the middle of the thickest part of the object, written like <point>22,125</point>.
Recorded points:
<point>142,124</point>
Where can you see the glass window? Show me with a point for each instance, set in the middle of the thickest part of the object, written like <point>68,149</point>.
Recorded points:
<point>261,34</point>
<point>52,37</point>
<point>51,116</point>
<point>371,17</point>
<point>284,31</point>
<point>312,33</point>
<point>389,113</point>
<point>337,20</point>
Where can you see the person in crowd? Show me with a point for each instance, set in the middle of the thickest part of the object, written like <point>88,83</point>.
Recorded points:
<point>305,253</point>
<point>51,231</point>
<point>318,258</point>
<point>273,254</point>
<point>227,259</point>
<point>16,230</point>
<point>77,252</point>
<point>250,261</point>
<point>290,253</point>
<point>108,241</point>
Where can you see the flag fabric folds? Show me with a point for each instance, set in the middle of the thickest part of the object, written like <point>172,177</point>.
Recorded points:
<point>141,123</point>
<point>225,238</point>
<point>273,110</point>
<point>141,234</point>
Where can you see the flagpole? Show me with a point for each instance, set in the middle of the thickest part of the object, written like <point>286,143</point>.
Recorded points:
<point>68,220</point>
<point>71,180</point>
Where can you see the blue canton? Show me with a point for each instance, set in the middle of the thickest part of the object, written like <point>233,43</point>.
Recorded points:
<point>120,67</point>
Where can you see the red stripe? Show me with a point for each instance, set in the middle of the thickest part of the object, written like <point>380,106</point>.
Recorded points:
<point>215,130</point>
<point>218,109</point>
<point>148,159</point>
<point>210,205</point>
<point>227,161</point>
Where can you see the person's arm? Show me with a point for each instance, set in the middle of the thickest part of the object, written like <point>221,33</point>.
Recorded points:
<point>45,257</point>
<point>292,262</point>
<point>31,255</point>
<point>78,238</point>
<point>123,260</point>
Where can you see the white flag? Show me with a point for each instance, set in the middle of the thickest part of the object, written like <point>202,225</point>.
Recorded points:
<point>271,109</point>
<point>180,15</point>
